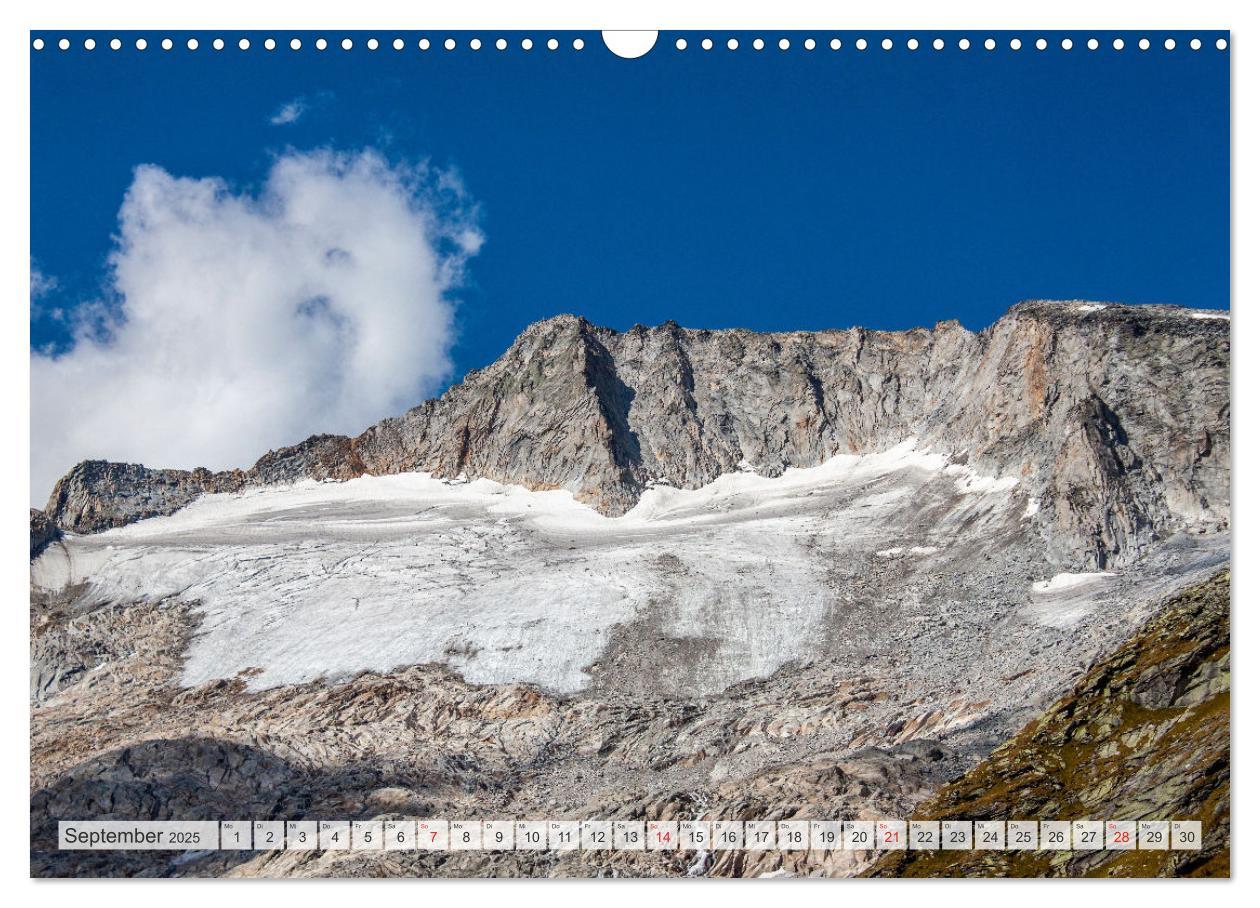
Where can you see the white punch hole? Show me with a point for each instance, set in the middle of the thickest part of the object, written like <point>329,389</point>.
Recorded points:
<point>630,45</point>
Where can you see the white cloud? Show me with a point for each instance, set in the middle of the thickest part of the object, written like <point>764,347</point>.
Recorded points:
<point>245,322</point>
<point>289,113</point>
<point>41,284</point>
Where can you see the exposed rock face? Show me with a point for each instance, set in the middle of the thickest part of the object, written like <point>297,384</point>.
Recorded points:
<point>43,531</point>
<point>1144,735</point>
<point>97,495</point>
<point>1116,417</point>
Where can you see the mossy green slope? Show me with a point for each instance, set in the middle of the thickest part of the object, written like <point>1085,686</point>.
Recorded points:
<point>1144,735</point>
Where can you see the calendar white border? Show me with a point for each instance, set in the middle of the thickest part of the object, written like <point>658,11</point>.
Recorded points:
<point>786,14</point>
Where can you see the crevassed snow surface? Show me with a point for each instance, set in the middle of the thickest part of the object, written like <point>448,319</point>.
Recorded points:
<point>505,584</point>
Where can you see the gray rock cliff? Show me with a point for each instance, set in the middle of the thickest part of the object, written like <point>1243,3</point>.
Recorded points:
<point>43,532</point>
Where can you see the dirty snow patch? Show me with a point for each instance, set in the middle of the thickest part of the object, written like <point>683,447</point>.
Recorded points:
<point>969,482</point>
<point>1060,582</point>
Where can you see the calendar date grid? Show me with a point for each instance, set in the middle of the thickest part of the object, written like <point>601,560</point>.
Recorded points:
<point>448,835</point>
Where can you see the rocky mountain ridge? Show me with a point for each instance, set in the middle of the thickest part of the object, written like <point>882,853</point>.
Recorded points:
<point>1114,418</point>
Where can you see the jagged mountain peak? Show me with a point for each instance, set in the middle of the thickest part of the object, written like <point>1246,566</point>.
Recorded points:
<point>563,322</point>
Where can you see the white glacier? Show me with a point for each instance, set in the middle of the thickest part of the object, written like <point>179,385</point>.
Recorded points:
<point>506,584</point>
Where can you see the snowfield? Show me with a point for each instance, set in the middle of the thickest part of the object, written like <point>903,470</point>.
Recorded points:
<point>705,587</point>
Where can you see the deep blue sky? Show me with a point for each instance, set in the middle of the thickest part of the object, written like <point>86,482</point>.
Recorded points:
<point>767,190</point>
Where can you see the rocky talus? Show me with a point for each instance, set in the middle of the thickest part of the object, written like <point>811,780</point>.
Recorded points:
<point>1115,418</point>
<point>124,740</point>
<point>1143,735</point>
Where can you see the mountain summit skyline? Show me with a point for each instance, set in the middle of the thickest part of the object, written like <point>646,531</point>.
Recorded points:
<point>1057,393</point>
